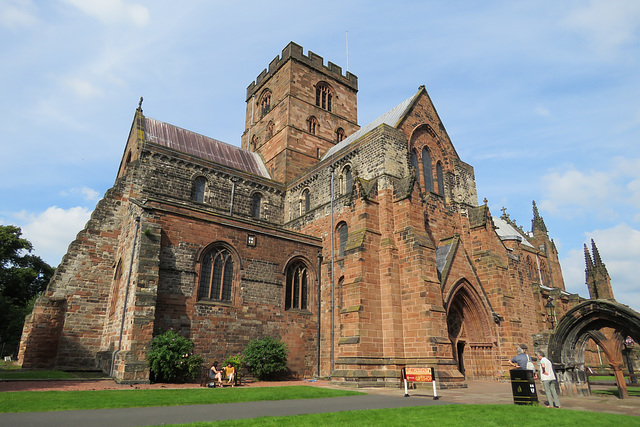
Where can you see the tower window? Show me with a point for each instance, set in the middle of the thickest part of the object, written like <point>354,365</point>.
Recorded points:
<point>265,103</point>
<point>216,275</point>
<point>296,288</point>
<point>324,96</point>
<point>340,135</point>
<point>305,202</point>
<point>312,123</point>
<point>270,130</point>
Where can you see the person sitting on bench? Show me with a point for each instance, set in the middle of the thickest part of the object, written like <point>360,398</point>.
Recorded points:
<point>231,374</point>
<point>215,374</point>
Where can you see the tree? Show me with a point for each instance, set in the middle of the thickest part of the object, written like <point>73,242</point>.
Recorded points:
<point>23,277</point>
<point>266,358</point>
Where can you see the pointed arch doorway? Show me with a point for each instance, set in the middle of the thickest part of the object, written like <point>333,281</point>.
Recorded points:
<point>470,332</point>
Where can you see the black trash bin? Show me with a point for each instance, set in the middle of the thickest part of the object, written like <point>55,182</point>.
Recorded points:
<point>524,387</point>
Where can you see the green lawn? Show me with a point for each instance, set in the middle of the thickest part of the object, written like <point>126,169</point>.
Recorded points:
<point>445,415</point>
<point>29,401</point>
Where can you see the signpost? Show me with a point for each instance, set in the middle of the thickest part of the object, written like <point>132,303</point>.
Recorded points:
<point>419,375</point>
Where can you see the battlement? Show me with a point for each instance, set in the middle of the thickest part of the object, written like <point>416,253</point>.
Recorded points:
<point>314,61</point>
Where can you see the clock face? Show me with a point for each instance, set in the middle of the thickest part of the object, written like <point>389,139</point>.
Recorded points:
<point>327,121</point>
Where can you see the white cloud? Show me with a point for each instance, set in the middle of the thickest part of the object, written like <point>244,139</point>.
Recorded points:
<point>83,88</point>
<point>113,11</point>
<point>608,24</point>
<point>619,249</point>
<point>16,14</point>
<point>88,194</point>
<point>53,230</point>
<point>609,193</point>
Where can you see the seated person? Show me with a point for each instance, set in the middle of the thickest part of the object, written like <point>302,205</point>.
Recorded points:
<point>231,374</point>
<point>215,374</point>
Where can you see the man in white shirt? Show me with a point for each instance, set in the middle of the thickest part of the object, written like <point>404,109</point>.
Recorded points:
<point>548,378</point>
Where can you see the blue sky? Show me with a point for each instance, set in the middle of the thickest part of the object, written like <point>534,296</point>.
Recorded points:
<point>540,97</point>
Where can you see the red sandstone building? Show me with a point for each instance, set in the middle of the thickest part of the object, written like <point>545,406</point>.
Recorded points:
<point>364,249</point>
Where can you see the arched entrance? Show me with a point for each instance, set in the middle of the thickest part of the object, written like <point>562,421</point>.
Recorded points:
<point>604,322</point>
<point>470,332</point>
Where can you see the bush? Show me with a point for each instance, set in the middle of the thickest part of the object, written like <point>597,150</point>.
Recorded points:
<point>266,357</point>
<point>171,358</point>
<point>237,361</point>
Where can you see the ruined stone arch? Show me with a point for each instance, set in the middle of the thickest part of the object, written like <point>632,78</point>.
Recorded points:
<point>607,323</point>
<point>470,331</point>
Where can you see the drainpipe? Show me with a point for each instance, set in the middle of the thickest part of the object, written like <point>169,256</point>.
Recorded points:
<point>234,179</point>
<point>332,275</point>
<point>126,296</point>
<point>318,304</point>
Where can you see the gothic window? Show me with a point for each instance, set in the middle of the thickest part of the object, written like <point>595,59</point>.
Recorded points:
<point>324,96</point>
<point>440,178</point>
<point>254,143</point>
<point>256,201</point>
<point>312,124</point>
<point>305,202</point>
<point>414,163</point>
<point>265,102</point>
<point>199,186</point>
<point>426,170</point>
<point>270,130</point>
<point>340,135</point>
<point>347,180</point>
<point>343,235</point>
<point>216,275</point>
<point>297,286</point>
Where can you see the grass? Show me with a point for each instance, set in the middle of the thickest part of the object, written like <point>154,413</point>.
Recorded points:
<point>29,401</point>
<point>442,415</point>
<point>633,391</point>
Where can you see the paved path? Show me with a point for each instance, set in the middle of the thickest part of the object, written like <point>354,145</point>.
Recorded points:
<point>221,411</point>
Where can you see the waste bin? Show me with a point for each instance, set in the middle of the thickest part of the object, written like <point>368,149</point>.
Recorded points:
<point>523,386</point>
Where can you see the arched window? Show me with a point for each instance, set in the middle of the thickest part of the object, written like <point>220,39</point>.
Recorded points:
<point>254,143</point>
<point>312,124</point>
<point>270,130</point>
<point>265,102</point>
<point>256,201</point>
<point>305,202</point>
<point>297,286</point>
<point>340,135</point>
<point>426,170</point>
<point>216,275</point>
<point>324,96</point>
<point>115,293</point>
<point>199,186</point>
<point>343,235</point>
<point>414,163</point>
<point>440,178</point>
<point>348,180</point>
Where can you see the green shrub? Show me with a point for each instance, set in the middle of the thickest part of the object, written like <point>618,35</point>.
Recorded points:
<point>237,361</point>
<point>171,358</point>
<point>266,357</point>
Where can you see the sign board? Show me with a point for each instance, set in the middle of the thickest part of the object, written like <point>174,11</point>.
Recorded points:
<point>420,375</point>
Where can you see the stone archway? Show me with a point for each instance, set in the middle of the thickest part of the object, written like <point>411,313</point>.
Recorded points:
<point>606,323</point>
<point>472,338</point>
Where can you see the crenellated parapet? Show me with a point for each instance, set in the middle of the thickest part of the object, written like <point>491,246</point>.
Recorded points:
<point>294,51</point>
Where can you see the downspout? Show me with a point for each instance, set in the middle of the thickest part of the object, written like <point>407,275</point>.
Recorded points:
<point>332,274</point>
<point>126,296</point>
<point>318,304</point>
<point>234,179</point>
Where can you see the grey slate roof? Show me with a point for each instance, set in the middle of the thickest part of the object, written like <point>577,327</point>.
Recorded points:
<point>506,231</point>
<point>207,148</point>
<point>391,118</point>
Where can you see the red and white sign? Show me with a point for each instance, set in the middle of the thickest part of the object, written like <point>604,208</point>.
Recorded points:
<point>419,375</point>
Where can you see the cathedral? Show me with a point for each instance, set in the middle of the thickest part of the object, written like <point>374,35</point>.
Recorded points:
<point>362,247</point>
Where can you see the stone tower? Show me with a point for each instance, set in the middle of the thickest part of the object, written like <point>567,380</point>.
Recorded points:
<point>298,109</point>
<point>598,280</point>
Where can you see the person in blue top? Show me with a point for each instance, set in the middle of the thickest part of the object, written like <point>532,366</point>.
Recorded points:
<point>520,360</point>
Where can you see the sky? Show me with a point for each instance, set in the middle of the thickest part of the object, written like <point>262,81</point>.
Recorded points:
<point>541,97</point>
